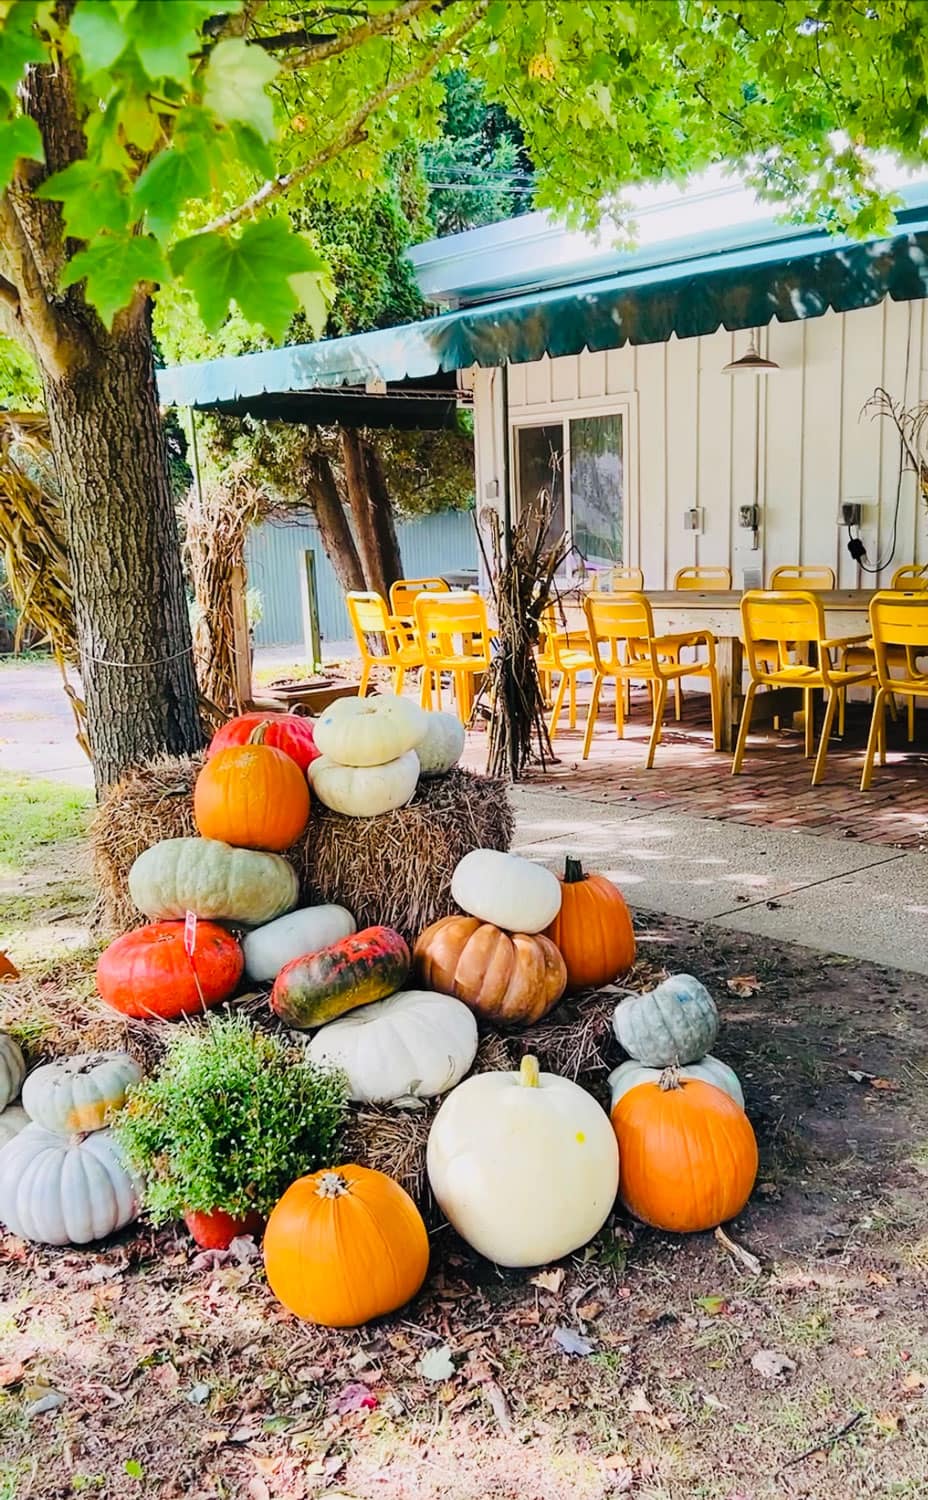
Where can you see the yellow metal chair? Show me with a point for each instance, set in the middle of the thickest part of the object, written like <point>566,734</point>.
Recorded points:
<point>369,616</point>
<point>787,621</point>
<point>911,577</point>
<point>620,579</point>
<point>899,627</point>
<point>454,635</point>
<point>404,591</point>
<point>707,580</point>
<point>625,648</point>
<point>564,654</point>
<point>814,578</point>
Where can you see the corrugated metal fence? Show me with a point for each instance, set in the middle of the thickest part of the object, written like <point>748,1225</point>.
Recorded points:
<point>274,559</point>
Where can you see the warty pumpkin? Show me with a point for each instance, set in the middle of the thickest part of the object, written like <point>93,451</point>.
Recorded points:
<point>64,1190</point>
<point>148,973</point>
<point>687,1151</point>
<point>673,1024</point>
<point>593,929</point>
<point>251,796</point>
<point>12,1069</point>
<point>509,978</point>
<point>318,987</point>
<point>287,732</point>
<point>345,1245</point>
<point>74,1095</point>
<point>214,880</point>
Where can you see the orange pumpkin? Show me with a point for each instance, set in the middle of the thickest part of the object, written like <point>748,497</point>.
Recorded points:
<point>687,1153</point>
<point>345,1245</point>
<point>593,929</point>
<point>509,978</point>
<point>251,796</point>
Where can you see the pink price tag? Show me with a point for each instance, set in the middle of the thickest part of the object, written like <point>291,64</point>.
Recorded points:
<point>190,933</point>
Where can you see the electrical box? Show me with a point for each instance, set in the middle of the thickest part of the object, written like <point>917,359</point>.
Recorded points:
<point>693,518</point>
<point>748,517</point>
<point>849,513</point>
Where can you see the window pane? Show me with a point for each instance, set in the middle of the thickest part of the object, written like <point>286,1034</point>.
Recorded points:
<point>540,465</point>
<point>597,489</point>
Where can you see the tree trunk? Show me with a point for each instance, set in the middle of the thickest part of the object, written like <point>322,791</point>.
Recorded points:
<point>136,653</point>
<point>388,546</point>
<point>333,526</point>
<point>362,511</point>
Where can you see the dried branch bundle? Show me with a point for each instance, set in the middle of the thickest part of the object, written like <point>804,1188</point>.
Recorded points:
<point>910,423</point>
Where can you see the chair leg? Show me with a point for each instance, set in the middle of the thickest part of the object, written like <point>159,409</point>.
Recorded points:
<point>911,718</point>
<point>659,704</point>
<point>877,733</point>
<point>818,770</point>
<point>620,691</point>
<point>399,677</point>
<point>572,712</point>
<point>746,713</point>
<point>365,679</point>
<point>809,718</point>
<point>425,689</point>
<point>715,705</point>
<point>558,705</point>
<point>591,716</point>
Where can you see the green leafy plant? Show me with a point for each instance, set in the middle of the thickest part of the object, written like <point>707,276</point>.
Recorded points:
<point>231,1118</point>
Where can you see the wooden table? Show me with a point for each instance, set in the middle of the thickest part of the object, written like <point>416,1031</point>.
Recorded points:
<point>681,611</point>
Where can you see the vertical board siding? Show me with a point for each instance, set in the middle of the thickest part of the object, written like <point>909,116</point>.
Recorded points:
<point>792,442</point>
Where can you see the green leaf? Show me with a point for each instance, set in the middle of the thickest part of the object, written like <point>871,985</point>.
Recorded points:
<point>100,34</point>
<point>18,137</point>
<point>18,46</point>
<point>236,79</point>
<point>140,125</point>
<point>254,271</point>
<point>252,150</point>
<point>91,199</point>
<point>113,267</point>
<point>134,1469</point>
<point>167,32</point>
<point>169,181</point>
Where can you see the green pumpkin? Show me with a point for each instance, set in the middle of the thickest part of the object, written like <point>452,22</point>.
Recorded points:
<point>357,970</point>
<point>212,879</point>
<point>669,1026</point>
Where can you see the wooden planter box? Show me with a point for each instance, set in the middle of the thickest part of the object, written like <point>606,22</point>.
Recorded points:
<point>313,698</point>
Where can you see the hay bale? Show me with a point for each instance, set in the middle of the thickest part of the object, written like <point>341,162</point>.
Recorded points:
<point>151,803</point>
<point>397,869</point>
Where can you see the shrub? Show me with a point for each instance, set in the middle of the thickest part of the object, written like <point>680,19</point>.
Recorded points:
<point>231,1117</point>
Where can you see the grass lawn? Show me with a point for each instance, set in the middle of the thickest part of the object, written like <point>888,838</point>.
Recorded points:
<point>707,1376</point>
<point>35,815</point>
<point>43,867</point>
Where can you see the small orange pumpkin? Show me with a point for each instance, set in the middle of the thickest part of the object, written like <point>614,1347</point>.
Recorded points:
<point>509,978</point>
<point>687,1153</point>
<point>345,1245</point>
<point>593,929</point>
<point>251,796</point>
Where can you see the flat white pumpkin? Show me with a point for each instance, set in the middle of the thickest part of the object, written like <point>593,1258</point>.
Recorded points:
<point>511,892</point>
<point>13,1119</point>
<point>365,791</point>
<point>369,731</point>
<point>628,1075</point>
<point>442,745</point>
<point>415,1044</point>
<point>74,1095</point>
<point>525,1165</point>
<point>12,1069</point>
<point>64,1190</point>
<point>268,948</point>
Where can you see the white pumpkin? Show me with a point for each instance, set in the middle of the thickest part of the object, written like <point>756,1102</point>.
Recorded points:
<point>365,791</point>
<point>628,1075</point>
<point>369,731</point>
<point>525,1165</point>
<point>511,892</point>
<point>12,1120</point>
<point>12,1069</point>
<point>64,1190</point>
<point>442,745</point>
<point>268,948</point>
<point>415,1044</point>
<point>74,1095</point>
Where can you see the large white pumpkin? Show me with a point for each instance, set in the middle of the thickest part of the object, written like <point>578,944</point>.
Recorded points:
<point>365,791</point>
<point>74,1095</point>
<point>13,1119</point>
<point>369,731</point>
<point>415,1044</point>
<point>12,1069</point>
<point>525,1165</point>
<point>442,745</point>
<point>64,1190</point>
<point>628,1075</point>
<point>504,889</point>
<point>268,948</point>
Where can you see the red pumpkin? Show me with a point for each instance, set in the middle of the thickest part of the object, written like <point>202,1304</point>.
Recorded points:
<point>286,732</point>
<point>149,974</point>
<point>216,1230</point>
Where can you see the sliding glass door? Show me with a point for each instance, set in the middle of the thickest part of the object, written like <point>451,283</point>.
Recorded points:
<point>577,464</point>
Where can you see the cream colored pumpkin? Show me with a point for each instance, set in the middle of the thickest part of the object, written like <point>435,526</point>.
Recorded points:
<point>64,1190</point>
<point>268,948</point>
<point>415,1044</point>
<point>525,1165</point>
<point>628,1075</point>
<point>369,731</point>
<point>365,791</point>
<point>504,889</point>
<point>214,880</point>
<point>74,1095</point>
<point>12,1069</point>
<point>442,745</point>
<point>12,1120</point>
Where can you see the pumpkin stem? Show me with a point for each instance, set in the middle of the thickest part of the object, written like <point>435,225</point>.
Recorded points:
<point>528,1072</point>
<point>331,1185</point>
<point>670,1079</point>
<point>260,730</point>
<point>573,871</point>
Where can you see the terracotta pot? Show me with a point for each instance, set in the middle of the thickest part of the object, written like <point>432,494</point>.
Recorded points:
<point>216,1230</point>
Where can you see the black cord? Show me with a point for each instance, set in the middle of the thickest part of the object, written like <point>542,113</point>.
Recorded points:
<point>856,546</point>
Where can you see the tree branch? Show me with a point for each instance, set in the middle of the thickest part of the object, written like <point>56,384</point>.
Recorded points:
<point>388,20</point>
<point>9,296</point>
<point>353,132</point>
<point>35,313</point>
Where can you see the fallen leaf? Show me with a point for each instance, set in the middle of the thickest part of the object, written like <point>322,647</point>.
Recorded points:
<point>198,1394</point>
<point>11,1374</point>
<point>622,1480</point>
<point>243,1249</point>
<point>744,985</point>
<point>46,1401</point>
<point>571,1341</point>
<point>549,1281</point>
<point>889,1421</point>
<point>640,1406</point>
<point>713,1305</point>
<point>860,1351</point>
<point>360,1360</point>
<point>876,1278</point>
<point>437,1364</point>
<point>257,1488</point>
<point>915,1381</point>
<point>589,1310</point>
<point>134,1469</point>
<point>771,1363</point>
<point>210,1260</point>
<point>357,1397</point>
<point>888,1085</point>
<point>742,1257</point>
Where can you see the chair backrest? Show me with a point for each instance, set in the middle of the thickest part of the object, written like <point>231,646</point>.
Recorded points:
<point>709,580</point>
<point>911,576</point>
<point>800,576</point>
<point>441,618</point>
<point>769,617</point>
<point>614,619</point>
<point>404,591</point>
<point>369,615</point>
<point>898,619</point>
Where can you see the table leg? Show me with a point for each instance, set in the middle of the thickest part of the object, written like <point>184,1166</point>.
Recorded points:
<point>728,661</point>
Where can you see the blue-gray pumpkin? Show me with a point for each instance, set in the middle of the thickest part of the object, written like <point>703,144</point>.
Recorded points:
<point>672,1025</point>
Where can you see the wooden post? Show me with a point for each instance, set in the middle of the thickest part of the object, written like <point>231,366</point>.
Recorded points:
<point>241,640</point>
<point>309,599</point>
